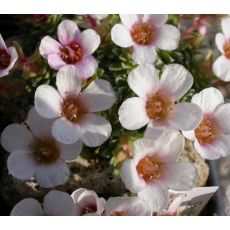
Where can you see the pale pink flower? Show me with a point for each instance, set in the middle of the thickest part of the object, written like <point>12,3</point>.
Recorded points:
<point>35,152</point>
<point>8,57</point>
<point>212,136</point>
<point>99,16</point>
<point>87,203</point>
<point>144,33</point>
<point>74,110</point>
<point>155,104</point>
<point>154,169</point>
<point>74,48</point>
<point>56,203</point>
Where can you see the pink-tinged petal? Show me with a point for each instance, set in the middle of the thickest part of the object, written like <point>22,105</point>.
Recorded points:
<point>75,196</point>
<point>151,132</point>
<point>90,41</point>
<point>175,81</point>
<point>144,54</point>
<point>27,207</point>
<point>215,150</point>
<point>66,132</point>
<point>185,116</point>
<point>99,16</point>
<point>144,80</point>
<point>13,57</point>
<point>130,177</point>
<point>47,101</point>
<point>156,196</point>
<point>101,205</point>
<point>21,165</point>
<point>208,99</point>
<point>132,113</point>
<point>52,175</point>
<point>130,19</point>
<point>178,176</point>
<point>95,130</point>
<point>120,35</point>
<point>98,96</point>
<point>49,46</point>
<point>55,61</point>
<point>86,68</point>
<point>173,207</point>
<point>67,31</point>
<point>221,68</point>
<point>220,40</point>
<point>168,37</point>
<point>67,81</point>
<point>225,24</point>
<point>16,137</point>
<point>2,43</point>
<point>156,20</point>
<point>190,135</point>
<point>57,203</point>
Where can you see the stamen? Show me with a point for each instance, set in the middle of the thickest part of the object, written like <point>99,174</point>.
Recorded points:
<point>227,49</point>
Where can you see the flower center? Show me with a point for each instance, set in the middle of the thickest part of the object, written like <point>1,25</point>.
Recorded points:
<point>45,151</point>
<point>92,208</point>
<point>148,169</point>
<point>227,49</point>
<point>142,33</point>
<point>4,59</point>
<point>206,131</point>
<point>158,107</point>
<point>118,213</point>
<point>72,108</point>
<point>71,53</point>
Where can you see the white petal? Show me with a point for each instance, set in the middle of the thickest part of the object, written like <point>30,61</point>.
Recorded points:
<point>67,81</point>
<point>129,19</point>
<point>144,80</point>
<point>151,132</point>
<point>13,57</point>
<point>130,177</point>
<point>144,54</point>
<point>175,81</point>
<point>185,116</point>
<point>47,102</point>
<point>2,43</point>
<point>95,130</point>
<point>99,16</point>
<point>98,96</point>
<point>55,61</point>
<point>65,131</point>
<point>27,207</point>
<point>21,165</point>
<point>52,175</point>
<point>57,203</point>
<point>208,99</point>
<point>67,31</point>
<point>120,35</point>
<point>16,137</point>
<point>221,68</point>
<point>190,135</point>
<point>178,176</point>
<point>220,40</point>
<point>156,20</point>
<point>168,37</point>
<point>228,192</point>
<point>225,24</point>
<point>132,113</point>
<point>90,41</point>
<point>156,196</point>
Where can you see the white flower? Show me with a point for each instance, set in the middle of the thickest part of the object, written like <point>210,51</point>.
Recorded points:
<point>36,153</point>
<point>55,203</point>
<point>99,16</point>
<point>154,169</point>
<point>145,33</point>
<point>126,206</point>
<point>212,136</point>
<point>75,110</point>
<point>221,67</point>
<point>8,57</point>
<point>87,203</point>
<point>74,48</point>
<point>155,104</point>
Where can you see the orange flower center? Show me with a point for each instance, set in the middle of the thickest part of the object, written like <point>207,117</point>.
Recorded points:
<point>148,169</point>
<point>142,33</point>
<point>4,59</point>
<point>118,213</point>
<point>227,49</point>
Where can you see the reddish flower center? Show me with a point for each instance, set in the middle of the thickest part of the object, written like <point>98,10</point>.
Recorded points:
<point>71,53</point>
<point>158,107</point>
<point>45,151</point>
<point>4,59</point>
<point>148,169</point>
<point>227,49</point>
<point>91,208</point>
<point>118,213</point>
<point>142,33</point>
<point>206,131</point>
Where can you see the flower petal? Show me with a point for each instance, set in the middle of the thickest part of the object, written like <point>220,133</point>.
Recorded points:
<point>156,20</point>
<point>221,68</point>
<point>220,40</point>
<point>190,135</point>
<point>144,80</point>
<point>120,35</point>
<point>130,19</point>
<point>225,26</point>
<point>57,203</point>
<point>151,132</point>
<point>47,101</point>
<point>95,130</point>
<point>13,57</point>
<point>144,54</point>
<point>16,137</point>
<point>132,113</point>
<point>55,61</point>
<point>2,43</point>
<point>98,96</point>
<point>175,81</point>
